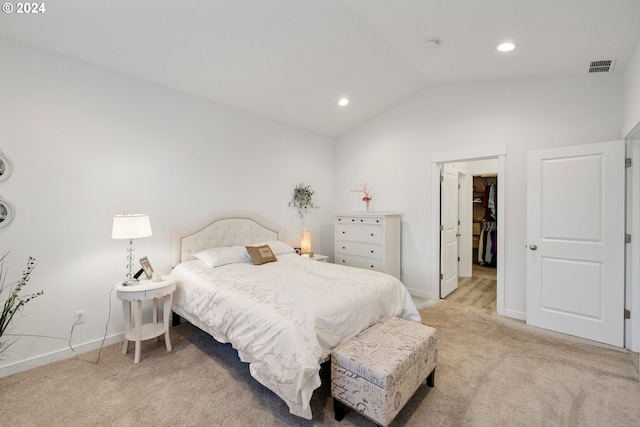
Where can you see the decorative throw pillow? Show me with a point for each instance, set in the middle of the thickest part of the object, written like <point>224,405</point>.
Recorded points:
<point>261,254</point>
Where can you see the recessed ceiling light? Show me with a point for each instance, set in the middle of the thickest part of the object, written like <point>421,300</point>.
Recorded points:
<point>507,46</point>
<point>343,102</point>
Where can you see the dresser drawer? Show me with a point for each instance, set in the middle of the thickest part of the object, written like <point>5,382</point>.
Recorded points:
<point>360,249</point>
<point>372,220</point>
<point>365,234</point>
<point>353,261</point>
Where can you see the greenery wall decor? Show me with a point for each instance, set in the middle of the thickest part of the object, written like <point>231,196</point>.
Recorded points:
<point>302,199</point>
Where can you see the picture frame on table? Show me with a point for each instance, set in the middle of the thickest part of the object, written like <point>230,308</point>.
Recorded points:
<point>146,266</point>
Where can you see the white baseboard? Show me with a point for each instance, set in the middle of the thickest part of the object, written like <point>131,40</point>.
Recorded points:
<point>54,356</point>
<point>419,293</point>
<point>515,314</point>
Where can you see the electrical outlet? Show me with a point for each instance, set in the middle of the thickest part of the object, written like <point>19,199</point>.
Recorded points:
<point>79,317</point>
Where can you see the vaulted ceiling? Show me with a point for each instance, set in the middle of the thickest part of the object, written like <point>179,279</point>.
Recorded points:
<point>291,60</point>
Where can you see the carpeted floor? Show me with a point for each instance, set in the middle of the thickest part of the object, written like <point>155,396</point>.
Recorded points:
<point>492,371</point>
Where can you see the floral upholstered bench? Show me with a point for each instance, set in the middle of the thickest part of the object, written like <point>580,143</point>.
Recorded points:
<point>377,372</point>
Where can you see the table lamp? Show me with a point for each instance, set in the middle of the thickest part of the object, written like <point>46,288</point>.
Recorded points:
<point>305,241</point>
<point>130,226</point>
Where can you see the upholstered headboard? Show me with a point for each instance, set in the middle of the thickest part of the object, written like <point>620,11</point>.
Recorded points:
<point>223,229</point>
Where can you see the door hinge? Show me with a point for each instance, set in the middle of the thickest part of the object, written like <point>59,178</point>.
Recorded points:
<point>441,178</point>
<point>627,162</point>
<point>441,276</point>
<point>458,259</point>
<point>627,238</point>
<point>459,186</point>
<point>627,314</point>
<point>441,227</point>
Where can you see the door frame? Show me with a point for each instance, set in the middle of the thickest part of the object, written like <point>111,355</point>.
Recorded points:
<point>468,155</point>
<point>465,213</point>
<point>632,273</point>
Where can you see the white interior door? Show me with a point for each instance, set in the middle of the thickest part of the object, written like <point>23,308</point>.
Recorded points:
<point>449,231</point>
<point>575,238</point>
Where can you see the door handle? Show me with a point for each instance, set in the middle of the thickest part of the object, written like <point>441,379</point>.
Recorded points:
<point>533,247</point>
<point>458,234</point>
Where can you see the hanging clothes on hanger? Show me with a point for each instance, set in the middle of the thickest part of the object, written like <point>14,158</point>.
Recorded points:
<point>492,203</point>
<point>487,247</point>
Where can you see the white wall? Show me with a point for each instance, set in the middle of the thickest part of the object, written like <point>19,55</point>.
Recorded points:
<point>632,94</point>
<point>87,143</point>
<point>391,153</point>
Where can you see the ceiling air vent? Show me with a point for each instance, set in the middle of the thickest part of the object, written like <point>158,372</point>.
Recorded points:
<point>602,66</point>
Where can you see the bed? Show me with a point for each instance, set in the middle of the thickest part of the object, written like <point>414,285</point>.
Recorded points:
<point>282,317</point>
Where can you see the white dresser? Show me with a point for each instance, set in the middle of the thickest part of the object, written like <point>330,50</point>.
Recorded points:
<point>369,240</point>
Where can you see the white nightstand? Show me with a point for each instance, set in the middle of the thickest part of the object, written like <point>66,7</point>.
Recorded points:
<point>317,257</point>
<point>143,291</point>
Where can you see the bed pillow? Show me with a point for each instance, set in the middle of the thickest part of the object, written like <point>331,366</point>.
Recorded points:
<point>261,254</point>
<point>215,257</point>
<point>277,247</point>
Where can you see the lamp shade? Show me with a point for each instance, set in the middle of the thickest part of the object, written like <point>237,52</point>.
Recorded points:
<point>131,226</point>
<point>305,241</point>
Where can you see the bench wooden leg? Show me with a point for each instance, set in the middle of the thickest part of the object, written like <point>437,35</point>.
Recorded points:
<point>431,379</point>
<point>339,410</point>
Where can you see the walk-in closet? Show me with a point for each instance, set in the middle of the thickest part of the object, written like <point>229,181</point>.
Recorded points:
<point>480,289</point>
<point>485,203</point>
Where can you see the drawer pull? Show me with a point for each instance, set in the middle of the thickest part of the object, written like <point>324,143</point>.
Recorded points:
<point>372,266</point>
<point>344,247</point>
<point>344,232</point>
<point>362,220</point>
<point>371,234</point>
<point>371,251</point>
<point>344,260</point>
<point>353,220</point>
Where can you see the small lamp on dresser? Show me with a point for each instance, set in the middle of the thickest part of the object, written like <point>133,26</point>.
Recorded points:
<point>130,226</point>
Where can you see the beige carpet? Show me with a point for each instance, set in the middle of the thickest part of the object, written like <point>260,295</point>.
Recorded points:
<point>492,371</point>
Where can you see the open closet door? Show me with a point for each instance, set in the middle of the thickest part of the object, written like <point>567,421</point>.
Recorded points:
<point>575,238</point>
<point>449,230</point>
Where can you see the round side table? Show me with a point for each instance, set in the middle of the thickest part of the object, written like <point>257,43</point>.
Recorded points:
<point>143,291</point>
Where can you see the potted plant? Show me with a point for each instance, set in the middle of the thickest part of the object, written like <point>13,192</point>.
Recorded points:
<point>367,195</point>
<point>13,302</point>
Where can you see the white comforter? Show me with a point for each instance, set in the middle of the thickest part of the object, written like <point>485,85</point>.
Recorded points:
<point>285,317</point>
